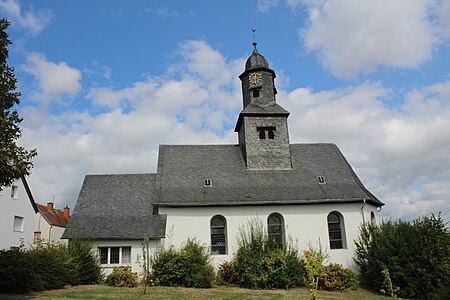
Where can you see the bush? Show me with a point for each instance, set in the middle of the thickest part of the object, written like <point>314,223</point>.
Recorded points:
<point>47,267</point>
<point>122,277</point>
<point>339,278</point>
<point>190,266</point>
<point>84,265</point>
<point>226,274</point>
<point>410,260</point>
<point>258,263</point>
<point>15,276</point>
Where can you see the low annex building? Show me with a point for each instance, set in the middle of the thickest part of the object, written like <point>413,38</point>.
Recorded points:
<point>50,223</point>
<point>302,192</point>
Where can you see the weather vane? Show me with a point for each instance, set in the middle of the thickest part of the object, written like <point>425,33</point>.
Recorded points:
<point>254,38</point>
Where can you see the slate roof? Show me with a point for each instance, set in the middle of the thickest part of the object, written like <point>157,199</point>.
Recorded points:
<point>183,168</point>
<point>256,60</point>
<point>55,217</point>
<point>253,109</point>
<point>116,207</point>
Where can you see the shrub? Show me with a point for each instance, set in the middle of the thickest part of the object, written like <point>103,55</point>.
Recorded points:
<point>49,266</point>
<point>415,256</point>
<point>226,274</point>
<point>314,268</point>
<point>190,266</point>
<point>338,278</point>
<point>122,277</point>
<point>258,263</point>
<point>84,265</point>
<point>15,276</point>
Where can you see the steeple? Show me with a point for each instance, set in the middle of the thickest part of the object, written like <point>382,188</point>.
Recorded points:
<point>262,124</point>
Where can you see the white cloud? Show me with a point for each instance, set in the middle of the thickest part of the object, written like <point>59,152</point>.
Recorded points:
<point>353,36</point>
<point>400,154</point>
<point>55,80</point>
<point>444,17</point>
<point>264,5</point>
<point>34,21</point>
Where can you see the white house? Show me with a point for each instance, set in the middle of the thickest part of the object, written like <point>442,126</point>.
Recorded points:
<point>50,223</point>
<point>303,192</point>
<point>17,213</point>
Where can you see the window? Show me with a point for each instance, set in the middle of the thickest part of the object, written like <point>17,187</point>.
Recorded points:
<point>255,93</point>
<point>207,182</point>
<point>14,190</point>
<point>36,237</point>
<point>126,255</point>
<point>266,131</point>
<point>114,255</point>
<point>275,229</point>
<point>336,230</point>
<point>372,218</point>
<point>18,223</point>
<point>103,252</point>
<point>218,235</point>
<point>321,179</point>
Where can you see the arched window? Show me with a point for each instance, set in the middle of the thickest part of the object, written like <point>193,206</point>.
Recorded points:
<point>275,229</point>
<point>218,235</point>
<point>336,231</point>
<point>372,218</point>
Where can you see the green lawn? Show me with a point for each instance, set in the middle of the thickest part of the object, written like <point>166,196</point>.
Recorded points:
<point>106,292</point>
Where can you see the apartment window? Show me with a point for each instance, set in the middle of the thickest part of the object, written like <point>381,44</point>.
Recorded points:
<point>18,223</point>
<point>275,229</point>
<point>336,231</point>
<point>218,235</point>
<point>37,237</point>
<point>114,255</point>
<point>14,190</point>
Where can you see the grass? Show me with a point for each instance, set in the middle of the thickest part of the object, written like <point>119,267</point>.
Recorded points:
<point>106,292</point>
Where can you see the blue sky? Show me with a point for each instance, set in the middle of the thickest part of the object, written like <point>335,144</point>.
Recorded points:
<point>105,82</point>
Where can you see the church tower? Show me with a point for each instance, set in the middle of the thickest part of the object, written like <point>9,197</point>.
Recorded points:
<point>262,124</point>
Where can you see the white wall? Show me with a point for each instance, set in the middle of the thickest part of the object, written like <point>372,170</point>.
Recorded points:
<point>136,253</point>
<point>16,206</point>
<point>305,224</point>
<point>48,232</point>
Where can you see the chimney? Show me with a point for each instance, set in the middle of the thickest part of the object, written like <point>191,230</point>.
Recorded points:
<point>67,212</point>
<point>50,206</point>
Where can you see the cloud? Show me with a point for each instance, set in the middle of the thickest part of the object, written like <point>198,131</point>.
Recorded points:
<point>360,36</point>
<point>444,18</point>
<point>265,5</point>
<point>55,80</point>
<point>401,154</point>
<point>34,21</point>
<point>195,102</point>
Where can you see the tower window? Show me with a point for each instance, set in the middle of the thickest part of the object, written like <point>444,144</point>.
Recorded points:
<point>207,182</point>
<point>255,93</point>
<point>266,131</point>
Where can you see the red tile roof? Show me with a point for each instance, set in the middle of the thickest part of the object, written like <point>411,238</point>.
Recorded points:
<point>54,217</point>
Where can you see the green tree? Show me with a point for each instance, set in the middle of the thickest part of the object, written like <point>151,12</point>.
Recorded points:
<point>15,161</point>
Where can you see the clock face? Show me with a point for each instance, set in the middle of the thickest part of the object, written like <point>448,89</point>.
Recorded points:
<point>254,78</point>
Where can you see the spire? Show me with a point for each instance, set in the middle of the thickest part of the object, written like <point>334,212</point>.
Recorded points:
<point>256,60</point>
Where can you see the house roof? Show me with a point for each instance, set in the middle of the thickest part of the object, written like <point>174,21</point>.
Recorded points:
<point>116,207</point>
<point>183,168</point>
<point>29,194</point>
<point>54,217</point>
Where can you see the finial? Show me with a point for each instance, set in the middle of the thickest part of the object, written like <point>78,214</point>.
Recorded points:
<point>254,39</point>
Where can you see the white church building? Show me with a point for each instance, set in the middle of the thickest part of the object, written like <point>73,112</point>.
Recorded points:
<point>302,192</point>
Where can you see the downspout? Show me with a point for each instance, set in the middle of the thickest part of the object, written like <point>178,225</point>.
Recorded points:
<point>50,234</point>
<point>362,210</point>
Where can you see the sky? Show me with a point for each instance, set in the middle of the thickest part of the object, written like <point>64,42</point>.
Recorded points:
<point>105,82</point>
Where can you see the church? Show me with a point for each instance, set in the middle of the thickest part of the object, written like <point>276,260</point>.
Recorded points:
<point>303,193</point>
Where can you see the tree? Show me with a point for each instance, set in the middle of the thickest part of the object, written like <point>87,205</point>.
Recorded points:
<point>15,161</point>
